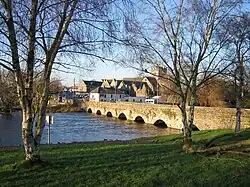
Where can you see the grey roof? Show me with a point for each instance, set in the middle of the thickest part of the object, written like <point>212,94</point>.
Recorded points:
<point>139,79</point>
<point>92,83</point>
<point>140,84</point>
<point>107,90</point>
<point>128,82</point>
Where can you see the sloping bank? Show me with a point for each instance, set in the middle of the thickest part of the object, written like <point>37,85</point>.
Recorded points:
<point>144,162</point>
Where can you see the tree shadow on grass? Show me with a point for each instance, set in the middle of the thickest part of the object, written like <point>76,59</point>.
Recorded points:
<point>123,152</point>
<point>228,138</point>
<point>132,165</point>
<point>138,157</point>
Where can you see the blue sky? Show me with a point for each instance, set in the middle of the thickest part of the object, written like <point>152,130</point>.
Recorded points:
<point>101,71</point>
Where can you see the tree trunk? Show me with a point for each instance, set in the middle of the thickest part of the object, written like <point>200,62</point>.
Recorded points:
<point>41,117</point>
<point>239,94</point>
<point>31,141</point>
<point>27,136</point>
<point>227,147</point>
<point>238,115</point>
<point>191,112</point>
<point>192,107</point>
<point>42,113</point>
<point>187,139</point>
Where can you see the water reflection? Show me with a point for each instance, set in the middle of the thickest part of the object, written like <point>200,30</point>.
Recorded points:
<point>10,129</point>
<point>79,127</point>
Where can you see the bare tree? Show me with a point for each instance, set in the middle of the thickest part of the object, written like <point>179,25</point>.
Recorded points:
<point>211,93</point>
<point>237,30</point>
<point>8,94</point>
<point>55,85</point>
<point>180,35</point>
<point>38,36</point>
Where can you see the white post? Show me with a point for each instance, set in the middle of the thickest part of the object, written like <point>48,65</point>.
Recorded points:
<point>49,121</point>
<point>49,134</point>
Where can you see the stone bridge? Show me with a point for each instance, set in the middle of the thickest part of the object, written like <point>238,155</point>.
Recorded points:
<point>168,115</point>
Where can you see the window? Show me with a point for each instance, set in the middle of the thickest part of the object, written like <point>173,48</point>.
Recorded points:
<point>120,96</point>
<point>105,96</point>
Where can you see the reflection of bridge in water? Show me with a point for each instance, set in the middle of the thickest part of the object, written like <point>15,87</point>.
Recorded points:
<point>168,115</point>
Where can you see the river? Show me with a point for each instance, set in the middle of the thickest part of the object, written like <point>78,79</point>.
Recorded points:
<point>79,127</point>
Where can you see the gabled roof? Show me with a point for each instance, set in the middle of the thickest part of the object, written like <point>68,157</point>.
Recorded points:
<point>117,82</point>
<point>126,82</point>
<point>139,85</point>
<point>153,81</point>
<point>102,90</point>
<point>108,80</point>
<point>92,83</point>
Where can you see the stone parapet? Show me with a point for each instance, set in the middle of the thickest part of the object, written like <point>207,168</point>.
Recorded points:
<point>205,117</point>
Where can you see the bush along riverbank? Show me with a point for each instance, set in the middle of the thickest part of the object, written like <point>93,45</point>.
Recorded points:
<point>157,161</point>
<point>67,107</point>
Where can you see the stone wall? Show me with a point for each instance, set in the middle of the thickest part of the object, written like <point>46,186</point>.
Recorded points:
<point>219,118</point>
<point>205,117</point>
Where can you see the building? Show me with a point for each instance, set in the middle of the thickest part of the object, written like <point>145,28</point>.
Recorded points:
<point>87,86</point>
<point>127,87</point>
<point>141,89</point>
<point>133,79</point>
<point>106,83</point>
<point>153,84</point>
<point>133,89</point>
<point>158,72</point>
<point>115,83</point>
<point>137,88</point>
<point>134,99</point>
<point>106,94</point>
<point>65,95</point>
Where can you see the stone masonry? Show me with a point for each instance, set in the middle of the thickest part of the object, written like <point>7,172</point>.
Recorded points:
<point>206,118</point>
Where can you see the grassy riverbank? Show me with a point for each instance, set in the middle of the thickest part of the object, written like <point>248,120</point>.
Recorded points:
<point>144,162</point>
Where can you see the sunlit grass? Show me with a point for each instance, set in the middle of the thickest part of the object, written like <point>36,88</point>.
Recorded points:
<point>143,162</point>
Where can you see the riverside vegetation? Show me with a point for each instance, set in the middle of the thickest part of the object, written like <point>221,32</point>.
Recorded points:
<point>157,161</point>
<point>68,107</point>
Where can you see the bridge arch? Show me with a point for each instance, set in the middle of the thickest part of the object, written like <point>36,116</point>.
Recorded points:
<point>109,114</point>
<point>122,116</point>
<point>98,112</point>
<point>139,119</point>
<point>89,110</point>
<point>160,123</point>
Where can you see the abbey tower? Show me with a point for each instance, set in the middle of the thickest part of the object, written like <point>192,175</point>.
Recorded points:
<point>159,72</point>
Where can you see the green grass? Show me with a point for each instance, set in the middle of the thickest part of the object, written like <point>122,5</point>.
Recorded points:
<point>143,162</point>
